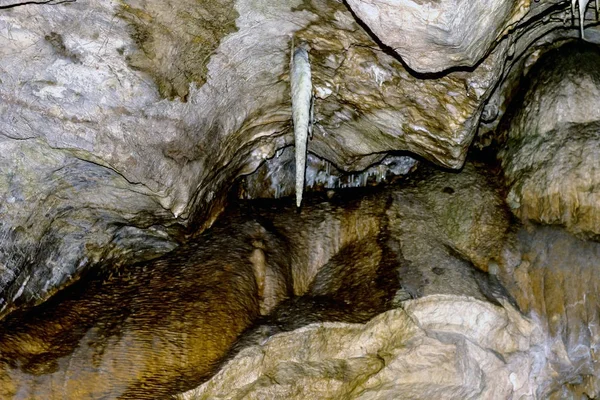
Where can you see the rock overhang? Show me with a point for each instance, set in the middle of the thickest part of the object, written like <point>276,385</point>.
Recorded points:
<point>164,133</point>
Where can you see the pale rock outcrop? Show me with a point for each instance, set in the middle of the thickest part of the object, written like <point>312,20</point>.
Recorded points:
<point>553,277</point>
<point>433,36</point>
<point>443,347</point>
<point>551,158</point>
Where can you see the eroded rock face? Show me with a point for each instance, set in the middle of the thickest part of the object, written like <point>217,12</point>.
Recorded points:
<point>432,216</point>
<point>553,277</point>
<point>75,96</point>
<point>60,213</point>
<point>417,226</point>
<point>123,124</point>
<point>475,349</point>
<point>551,159</point>
<point>455,339</point>
<point>147,330</point>
<point>174,317</point>
<point>433,36</point>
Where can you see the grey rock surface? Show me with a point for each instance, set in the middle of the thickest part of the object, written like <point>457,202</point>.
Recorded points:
<point>166,104</point>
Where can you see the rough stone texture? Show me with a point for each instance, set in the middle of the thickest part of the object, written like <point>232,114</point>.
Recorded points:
<point>554,278</point>
<point>368,102</point>
<point>175,100</point>
<point>551,159</point>
<point>175,39</point>
<point>121,120</point>
<point>86,83</point>
<point>451,337</point>
<point>357,240</point>
<point>473,349</point>
<point>433,36</point>
<point>461,212</point>
<point>545,27</point>
<point>68,90</point>
<point>439,219</point>
<point>60,213</point>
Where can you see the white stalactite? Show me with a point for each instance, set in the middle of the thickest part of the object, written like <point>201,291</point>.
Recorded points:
<point>301,113</point>
<point>583,4</point>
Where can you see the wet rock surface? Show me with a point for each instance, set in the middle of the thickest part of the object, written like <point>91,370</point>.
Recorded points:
<point>398,351</point>
<point>147,330</point>
<point>551,159</point>
<point>165,104</point>
<point>554,278</point>
<point>124,126</point>
<point>543,349</point>
<point>346,263</point>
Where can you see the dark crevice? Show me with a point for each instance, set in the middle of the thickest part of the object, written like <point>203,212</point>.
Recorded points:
<point>27,3</point>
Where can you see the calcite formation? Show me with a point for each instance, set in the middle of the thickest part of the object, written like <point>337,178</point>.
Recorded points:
<point>302,98</point>
<point>124,126</point>
<point>476,354</point>
<point>551,158</point>
<point>553,277</point>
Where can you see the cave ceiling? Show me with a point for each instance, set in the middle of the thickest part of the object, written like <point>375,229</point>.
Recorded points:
<point>124,124</point>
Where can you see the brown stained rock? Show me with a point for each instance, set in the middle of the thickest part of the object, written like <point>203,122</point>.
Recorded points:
<point>320,229</point>
<point>147,330</point>
<point>551,159</point>
<point>436,217</point>
<point>175,39</point>
<point>563,86</point>
<point>160,326</point>
<point>473,349</point>
<point>554,277</point>
<point>368,102</point>
<point>463,210</point>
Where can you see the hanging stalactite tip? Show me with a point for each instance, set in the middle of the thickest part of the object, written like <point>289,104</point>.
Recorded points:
<point>301,83</point>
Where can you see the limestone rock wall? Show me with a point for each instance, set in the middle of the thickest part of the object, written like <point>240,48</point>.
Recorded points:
<point>396,354</point>
<point>551,157</point>
<point>451,331</point>
<point>554,278</point>
<point>537,340</point>
<point>127,122</point>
